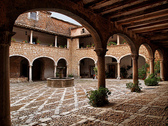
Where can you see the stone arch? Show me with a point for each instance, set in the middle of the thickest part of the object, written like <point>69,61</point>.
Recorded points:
<point>111,66</point>
<point>133,48</point>
<point>42,68</point>
<point>127,66</point>
<point>160,54</point>
<point>71,10</point>
<point>60,59</point>
<point>19,68</point>
<point>62,63</point>
<point>21,56</point>
<point>149,49</point>
<point>88,58</point>
<point>43,57</point>
<point>123,57</point>
<point>112,57</point>
<point>159,59</point>
<point>86,66</point>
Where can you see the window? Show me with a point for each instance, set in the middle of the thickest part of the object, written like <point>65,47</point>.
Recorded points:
<point>33,15</point>
<point>83,31</point>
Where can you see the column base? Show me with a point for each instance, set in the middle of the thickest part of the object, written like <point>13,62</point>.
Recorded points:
<point>30,81</point>
<point>118,78</point>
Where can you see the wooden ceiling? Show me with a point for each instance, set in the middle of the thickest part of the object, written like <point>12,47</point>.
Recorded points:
<point>147,18</point>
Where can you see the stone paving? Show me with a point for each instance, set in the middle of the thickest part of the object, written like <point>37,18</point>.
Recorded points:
<point>35,104</point>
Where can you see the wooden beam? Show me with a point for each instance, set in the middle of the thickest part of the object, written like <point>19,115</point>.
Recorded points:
<point>160,36</point>
<point>160,40</point>
<point>146,11</point>
<point>95,3</point>
<point>134,7</point>
<point>158,28</point>
<point>146,21</point>
<point>148,25</point>
<point>114,5</point>
<point>157,14</point>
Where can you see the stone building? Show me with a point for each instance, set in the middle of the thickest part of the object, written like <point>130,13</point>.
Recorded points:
<point>42,44</point>
<point>138,22</point>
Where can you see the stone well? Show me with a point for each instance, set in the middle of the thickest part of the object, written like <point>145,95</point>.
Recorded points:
<point>60,82</point>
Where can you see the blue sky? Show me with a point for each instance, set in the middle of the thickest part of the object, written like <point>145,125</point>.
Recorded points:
<point>64,17</point>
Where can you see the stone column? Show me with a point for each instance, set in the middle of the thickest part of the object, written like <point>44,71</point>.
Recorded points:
<point>31,37</point>
<point>30,73</point>
<point>5,38</point>
<point>151,60</point>
<point>77,42</point>
<point>55,70</point>
<point>67,71</point>
<point>55,41</point>
<point>118,40</point>
<point>101,66</point>
<point>118,71</point>
<point>96,67</point>
<point>161,70</point>
<point>135,68</point>
<point>67,43</point>
<point>79,70</point>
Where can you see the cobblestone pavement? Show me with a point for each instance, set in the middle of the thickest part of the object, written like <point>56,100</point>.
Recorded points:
<point>36,104</point>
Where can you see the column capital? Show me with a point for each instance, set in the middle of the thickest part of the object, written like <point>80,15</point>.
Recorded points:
<point>161,60</point>
<point>151,59</point>
<point>5,38</point>
<point>100,51</point>
<point>134,56</point>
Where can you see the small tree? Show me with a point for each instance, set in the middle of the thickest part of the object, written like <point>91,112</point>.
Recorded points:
<point>95,70</point>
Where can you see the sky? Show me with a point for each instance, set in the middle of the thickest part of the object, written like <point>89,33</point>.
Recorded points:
<point>64,17</point>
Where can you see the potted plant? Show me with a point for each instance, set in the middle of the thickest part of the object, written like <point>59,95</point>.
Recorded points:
<point>98,98</point>
<point>92,45</point>
<point>124,42</point>
<point>87,46</point>
<point>111,43</point>
<point>65,46</point>
<point>95,71</point>
<point>38,42</point>
<point>13,40</point>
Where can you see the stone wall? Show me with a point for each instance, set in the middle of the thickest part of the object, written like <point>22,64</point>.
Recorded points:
<point>73,55</point>
<point>46,22</point>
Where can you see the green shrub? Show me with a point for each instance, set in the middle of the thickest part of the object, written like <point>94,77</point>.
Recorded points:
<point>142,71</point>
<point>12,39</point>
<point>111,43</point>
<point>70,75</point>
<point>134,87</point>
<point>95,70</point>
<point>98,98</point>
<point>157,67</point>
<point>152,80</point>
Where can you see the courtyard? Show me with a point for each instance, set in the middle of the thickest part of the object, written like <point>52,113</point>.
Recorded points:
<point>36,104</point>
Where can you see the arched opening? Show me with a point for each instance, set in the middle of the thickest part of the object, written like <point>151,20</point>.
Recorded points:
<point>37,70</point>
<point>19,69</point>
<point>146,51</point>
<point>111,67</point>
<point>158,64</point>
<point>127,66</point>
<point>42,69</point>
<point>116,39</point>
<point>62,64</point>
<point>24,68</point>
<point>86,68</point>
